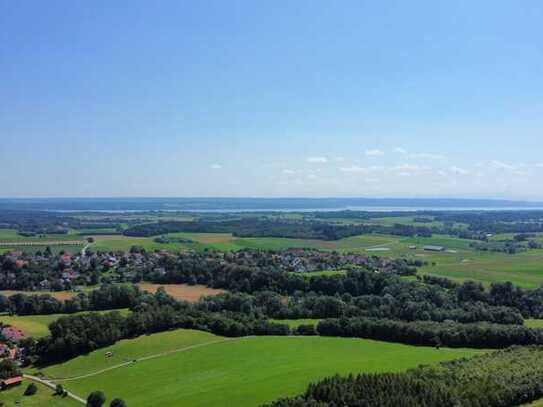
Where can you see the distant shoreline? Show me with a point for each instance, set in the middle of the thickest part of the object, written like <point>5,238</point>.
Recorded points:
<point>234,205</point>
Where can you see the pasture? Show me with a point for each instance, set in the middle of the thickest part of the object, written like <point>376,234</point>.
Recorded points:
<point>44,397</point>
<point>11,241</point>
<point>191,293</point>
<point>295,323</point>
<point>37,325</point>
<point>211,371</point>
<point>534,323</point>
<point>59,295</point>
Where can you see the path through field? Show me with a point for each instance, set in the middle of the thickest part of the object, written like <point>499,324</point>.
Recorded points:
<point>148,357</point>
<point>53,386</point>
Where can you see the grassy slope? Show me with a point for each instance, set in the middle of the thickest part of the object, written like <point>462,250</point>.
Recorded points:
<point>37,325</point>
<point>130,349</point>
<point>240,372</point>
<point>44,397</point>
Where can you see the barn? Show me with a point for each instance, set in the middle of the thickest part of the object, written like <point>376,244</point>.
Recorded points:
<point>12,381</point>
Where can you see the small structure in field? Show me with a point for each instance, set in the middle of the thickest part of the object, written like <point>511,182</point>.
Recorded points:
<point>431,248</point>
<point>12,381</point>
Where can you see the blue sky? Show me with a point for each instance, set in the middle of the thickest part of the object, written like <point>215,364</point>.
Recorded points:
<point>271,98</point>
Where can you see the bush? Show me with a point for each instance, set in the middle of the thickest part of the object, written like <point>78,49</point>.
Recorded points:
<point>117,403</point>
<point>96,399</point>
<point>31,389</point>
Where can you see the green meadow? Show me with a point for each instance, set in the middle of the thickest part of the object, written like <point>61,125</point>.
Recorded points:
<point>534,323</point>
<point>37,325</point>
<point>214,371</point>
<point>44,397</point>
<point>295,323</point>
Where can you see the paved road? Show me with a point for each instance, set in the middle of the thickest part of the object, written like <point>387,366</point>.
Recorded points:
<point>53,386</point>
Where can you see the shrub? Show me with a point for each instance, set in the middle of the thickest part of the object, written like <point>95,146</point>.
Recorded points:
<point>31,389</point>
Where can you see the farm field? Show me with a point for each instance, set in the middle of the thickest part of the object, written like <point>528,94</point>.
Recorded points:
<point>242,371</point>
<point>9,239</point>
<point>295,323</point>
<point>185,292</point>
<point>59,295</point>
<point>460,262</point>
<point>534,323</point>
<point>37,325</point>
<point>44,397</point>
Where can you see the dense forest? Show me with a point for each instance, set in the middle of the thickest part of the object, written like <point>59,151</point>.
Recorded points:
<point>500,379</point>
<point>261,227</point>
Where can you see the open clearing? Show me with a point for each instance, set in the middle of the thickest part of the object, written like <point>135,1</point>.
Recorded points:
<point>215,371</point>
<point>295,323</point>
<point>185,292</point>
<point>44,397</point>
<point>37,325</point>
<point>534,323</point>
<point>59,295</point>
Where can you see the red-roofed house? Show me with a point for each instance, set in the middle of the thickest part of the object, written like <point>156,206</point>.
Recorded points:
<point>12,334</point>
<point>12,381</point>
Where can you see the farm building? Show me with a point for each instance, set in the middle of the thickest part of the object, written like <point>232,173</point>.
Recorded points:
<point>431,248</point>
<point>12,334</point>
<point>13,381</point>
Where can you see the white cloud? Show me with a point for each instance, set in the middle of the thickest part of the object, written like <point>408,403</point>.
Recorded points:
<point>458,171</point>
<point>400,150</point>
<point>500,165</point>
<point>215,166</point>
<point>339,159</point>
<point>317,160</point>
<point>286,171</point>
<point>373,180</point>
<point>374,153</point>
<point>406,168</point>
<point>311,176</point>
<point>539,165</point>
<point>427,156</point>
<point>361,170</point>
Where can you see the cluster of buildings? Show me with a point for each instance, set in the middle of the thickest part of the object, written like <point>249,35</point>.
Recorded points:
<point>10,338</point>
<point>309,260</point>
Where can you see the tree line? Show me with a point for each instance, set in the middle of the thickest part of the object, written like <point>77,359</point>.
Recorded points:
<point>500,379</point>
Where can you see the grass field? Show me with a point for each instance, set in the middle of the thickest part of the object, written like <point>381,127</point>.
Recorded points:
<point>534,323</point>
<point>185,292</point>
<point>295,323</point>
<point>59,295</point>
<point>44,397</point>
<point>233,372</point>
<point>10,236</point>
<point>37,325</point>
